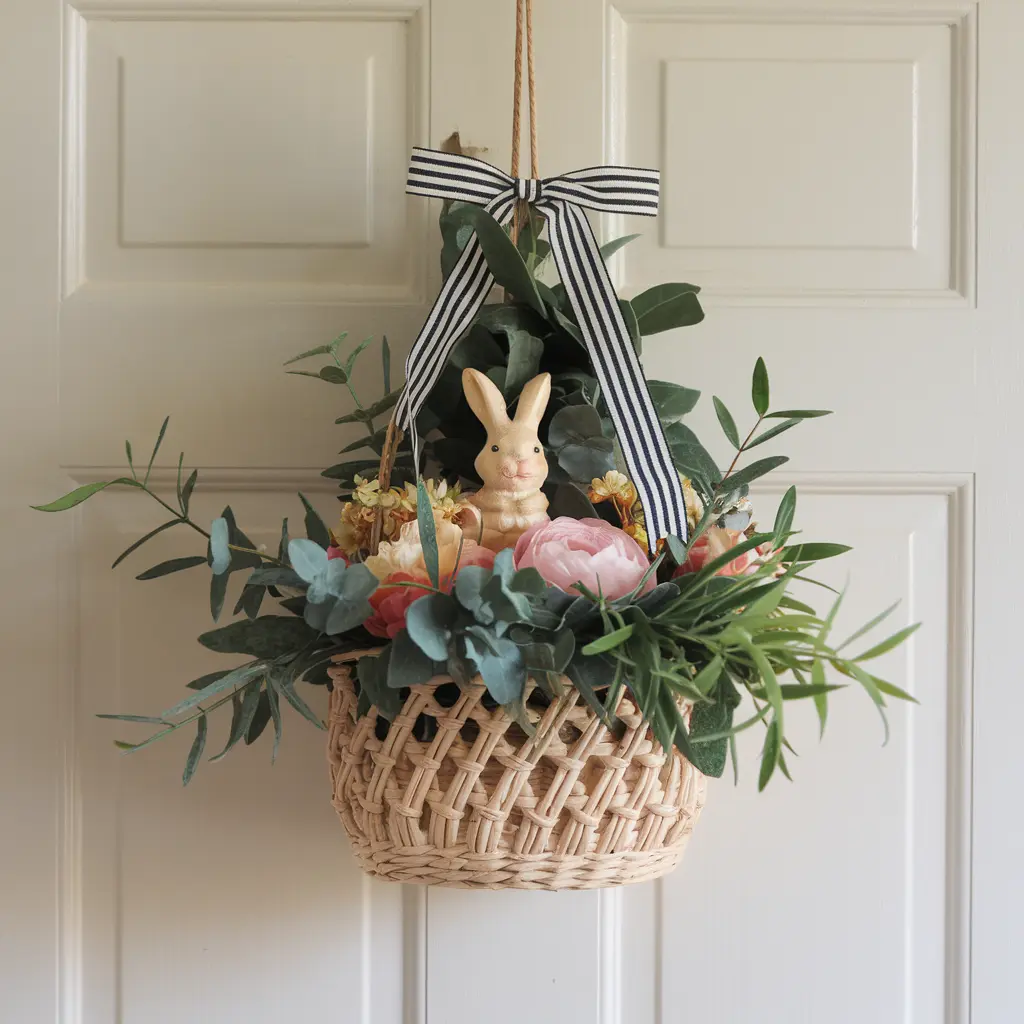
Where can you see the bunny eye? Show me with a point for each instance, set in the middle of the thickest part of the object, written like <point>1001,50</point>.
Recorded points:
<point>494,447</point>
<point>536,448</point>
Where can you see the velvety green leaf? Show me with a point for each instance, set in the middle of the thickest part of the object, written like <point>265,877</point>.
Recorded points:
<point>429,622</point>
<point>269,636</point>
<point>707,719</point>
<point>727,422</point>
<point>172,565</point>
<point>196,752</point>
<point>219,550</point>
<point>502,256</point>
<point>501,667</point>
<point>408,665</point>
<point>759,388</point>
<point>308,558</point>
<point>276,576</point>
<point>672,401</point>
<point>333,375</point>
<point>666,306</point>
<point>524,354</point>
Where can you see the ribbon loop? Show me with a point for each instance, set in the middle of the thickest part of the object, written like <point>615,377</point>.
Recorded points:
<point>628,190</point>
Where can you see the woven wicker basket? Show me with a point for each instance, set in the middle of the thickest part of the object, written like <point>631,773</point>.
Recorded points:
<point>481,805</point>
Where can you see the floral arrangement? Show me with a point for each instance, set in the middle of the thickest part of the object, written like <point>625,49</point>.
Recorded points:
<point>565,588</point>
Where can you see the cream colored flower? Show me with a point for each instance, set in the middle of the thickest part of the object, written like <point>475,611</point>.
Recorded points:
<point>694,506</point>
<point>613,485</point>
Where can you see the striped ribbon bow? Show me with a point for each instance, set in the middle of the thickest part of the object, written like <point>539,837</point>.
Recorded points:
<point>587,285</point>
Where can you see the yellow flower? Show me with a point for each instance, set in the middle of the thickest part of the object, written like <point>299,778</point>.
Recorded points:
<point>613,485</point>
<point>639,534</point>
<point>694,506</point>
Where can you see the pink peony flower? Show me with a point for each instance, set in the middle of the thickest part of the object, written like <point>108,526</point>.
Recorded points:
<point>716,541</point>
<point>589,551</point>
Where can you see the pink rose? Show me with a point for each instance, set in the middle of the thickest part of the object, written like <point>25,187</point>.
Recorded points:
<point>716,541</point>
<point>390,603</point>
<point>336,552</point>
<point>588,551</point>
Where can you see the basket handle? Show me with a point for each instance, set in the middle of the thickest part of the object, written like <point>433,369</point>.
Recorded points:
<point>392,439</point>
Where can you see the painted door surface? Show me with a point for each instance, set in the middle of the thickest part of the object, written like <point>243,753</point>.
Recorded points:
<point>191,191</point>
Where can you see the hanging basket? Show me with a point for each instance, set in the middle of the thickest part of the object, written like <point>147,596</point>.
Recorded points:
<point>482,805</point>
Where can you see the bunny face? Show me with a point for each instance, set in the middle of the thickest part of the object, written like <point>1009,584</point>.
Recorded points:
<point>513,458</point>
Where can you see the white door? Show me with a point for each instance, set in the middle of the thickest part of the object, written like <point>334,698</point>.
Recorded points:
<point>191,191</point>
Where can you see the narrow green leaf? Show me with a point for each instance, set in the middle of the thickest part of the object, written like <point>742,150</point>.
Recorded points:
<point>771,432</point>
<point>349,365</point>
<point>820,698</point>
<point>275,714</point>
<point>177,486</point>
<point>259,720</point>
<point>784,516</point>
<point>172,565</point>
<point>156,447</point>
<point>128,453</point>
<point>610,248</point>
<point>142,540</point>
<point>752,472</point>
<point>798,414</point>
<point>812,552</point>
<point>889,643</point>
<point>198,745</point>
<point>79,494</point>
<point>868,626</point>
<point>319,350</point>
<point>148,719</point>
<point>428,532</point>
<point>770,754</point>
<point>727,422</point>
<point>385,357</point>
<point>286,688</point>
<point>186,491</point>
<point>609,641</point>
<point>759,388</point>
<point>244,711</point>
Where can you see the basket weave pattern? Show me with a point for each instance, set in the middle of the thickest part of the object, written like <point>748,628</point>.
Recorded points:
<point>483,805</point>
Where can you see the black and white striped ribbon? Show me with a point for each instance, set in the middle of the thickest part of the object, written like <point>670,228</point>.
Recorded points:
<point>590,291</point>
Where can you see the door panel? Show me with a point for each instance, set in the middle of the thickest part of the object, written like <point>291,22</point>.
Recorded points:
<point>195,190</point>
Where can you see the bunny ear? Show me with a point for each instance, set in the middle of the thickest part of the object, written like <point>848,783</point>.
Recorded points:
<point>534,399</point>
<point>484,399</point>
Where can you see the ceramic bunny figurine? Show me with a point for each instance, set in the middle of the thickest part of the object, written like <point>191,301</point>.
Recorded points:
<point>512,464</point>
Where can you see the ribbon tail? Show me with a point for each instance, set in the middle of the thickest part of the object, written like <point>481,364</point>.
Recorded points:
<point>617,367</point>
<point>453,311</point>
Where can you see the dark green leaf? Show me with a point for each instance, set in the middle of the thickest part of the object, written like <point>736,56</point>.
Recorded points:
<point>315,528</point>
<point>286,688</point>
<point>759,388</point>
<point>707,719</point>
<point>632,326</point>
<point>727,422</point>
<point>408,665</point>
<point>218,592</point>
<point>259,719</point>
<point>142,540</point>
<point>172,565</point>
<point>385,358</point>
<point>784,516</point>
<point>249,601</point>
<point>269,636</point>
<point>610,248</point>
<point>812,552</point>
<point>243,713</point>
<point>186,491</point>
<point>502,256</point>
<point>767,435</point>
<point>147,719</point>
<point>332,374</point>
<point>429,621</point>
<point>752,472</point>
<point>798,414</point>
<point>198,745</point>
<point>275,714</point>
<point>672,401</point>
<point>666,306</point>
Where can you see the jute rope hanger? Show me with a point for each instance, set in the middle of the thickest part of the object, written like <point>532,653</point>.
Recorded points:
<point>524,17</point>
